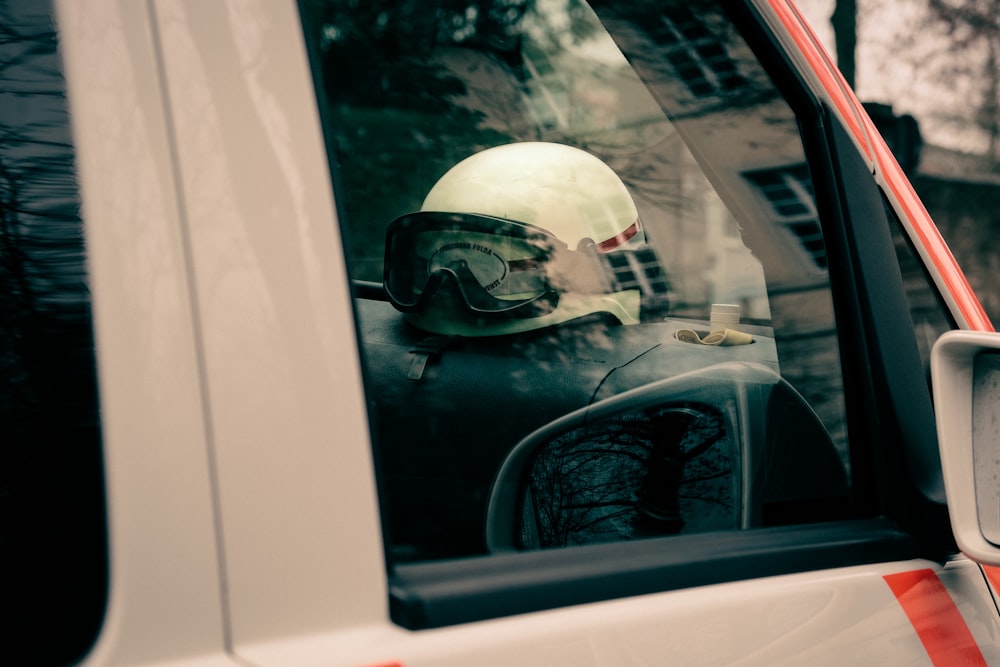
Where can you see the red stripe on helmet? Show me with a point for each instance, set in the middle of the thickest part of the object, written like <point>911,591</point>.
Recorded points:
<point>620,239</point>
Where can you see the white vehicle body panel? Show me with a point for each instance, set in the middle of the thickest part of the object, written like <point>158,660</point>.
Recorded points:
<point>244,521</point>
<point>227,231</point>
<point>290,431</point>
<point>835,617</point>
<point>162,524</point>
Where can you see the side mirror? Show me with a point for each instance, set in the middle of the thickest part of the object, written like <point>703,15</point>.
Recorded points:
<point>965,370</point>
<point>727,447</point>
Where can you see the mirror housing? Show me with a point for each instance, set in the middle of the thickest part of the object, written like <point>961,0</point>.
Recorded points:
<point>778,463</point>
<point>965,370</point>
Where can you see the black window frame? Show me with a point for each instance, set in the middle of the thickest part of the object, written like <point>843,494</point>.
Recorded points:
<point>897,467</point>
<point>439,594</point>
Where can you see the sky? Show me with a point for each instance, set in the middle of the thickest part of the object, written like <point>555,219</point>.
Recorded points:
<point>912,67</point>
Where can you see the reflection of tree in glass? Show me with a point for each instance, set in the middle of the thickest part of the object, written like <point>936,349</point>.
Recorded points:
<point>51,504</point>
<point>44,300</point>
<point>378,54</point>
<point>396,122</point>
<point>642,474</point>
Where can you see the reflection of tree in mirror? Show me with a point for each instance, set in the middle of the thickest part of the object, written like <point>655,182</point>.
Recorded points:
<point>642,474</point>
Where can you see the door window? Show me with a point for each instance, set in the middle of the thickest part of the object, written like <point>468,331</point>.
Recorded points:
<point>592,289</point>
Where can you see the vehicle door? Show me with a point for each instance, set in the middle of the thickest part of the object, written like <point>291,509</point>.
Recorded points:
<point>298,471</point>
<point>794,464</point>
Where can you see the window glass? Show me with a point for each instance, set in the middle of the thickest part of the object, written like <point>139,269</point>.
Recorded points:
<point>592,289</point>
<point>930,316</point>
<point>51,492</point>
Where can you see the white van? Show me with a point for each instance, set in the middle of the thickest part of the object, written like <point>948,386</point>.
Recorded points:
<point>509,332</point>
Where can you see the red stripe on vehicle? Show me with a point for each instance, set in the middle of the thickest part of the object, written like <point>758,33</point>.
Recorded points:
<point>993,576</point>
<point>822,66</point>
<point>933,614</point>
<point>930,238</point>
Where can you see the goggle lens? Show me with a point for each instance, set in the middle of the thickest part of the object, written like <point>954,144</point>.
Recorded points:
<point>500,267</point>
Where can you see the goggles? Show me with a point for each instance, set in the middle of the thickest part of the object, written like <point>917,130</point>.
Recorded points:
<point>499,267</point>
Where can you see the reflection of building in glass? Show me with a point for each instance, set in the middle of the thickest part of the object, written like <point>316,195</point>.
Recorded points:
<point>581,88</point>
<point>697,55</point>
<point>582,85</point>
<point>638,270</point>
<point>789,191</point>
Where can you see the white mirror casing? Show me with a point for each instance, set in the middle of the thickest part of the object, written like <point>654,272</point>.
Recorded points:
<point>965,369</point>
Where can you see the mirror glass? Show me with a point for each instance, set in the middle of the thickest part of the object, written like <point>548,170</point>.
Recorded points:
<point>986,442</point>
<point>646,473</point>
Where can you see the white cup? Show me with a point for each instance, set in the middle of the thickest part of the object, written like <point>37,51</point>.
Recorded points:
<point>724,316</point>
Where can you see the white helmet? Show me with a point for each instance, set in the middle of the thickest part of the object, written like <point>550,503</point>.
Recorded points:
<point>509,240</point>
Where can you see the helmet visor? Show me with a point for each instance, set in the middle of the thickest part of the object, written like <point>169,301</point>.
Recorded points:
<point>499,266</point>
